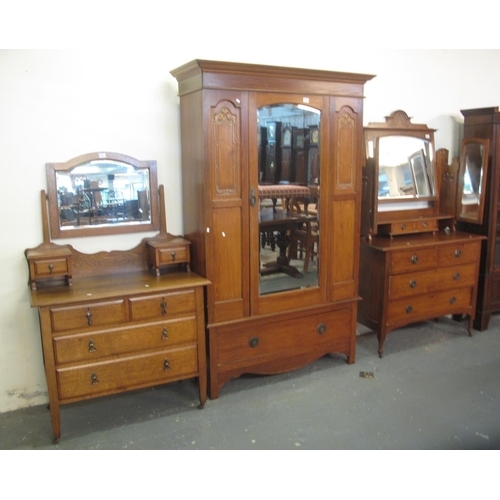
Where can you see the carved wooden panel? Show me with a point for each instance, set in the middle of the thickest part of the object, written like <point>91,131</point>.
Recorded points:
<point>346,154</point>
<point>226,151</point>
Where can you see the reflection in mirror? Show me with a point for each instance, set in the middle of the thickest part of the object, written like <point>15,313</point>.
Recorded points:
<point>289,173</point>
<point>474,158</point>
<point>405,166</point>
<point>102,193</point>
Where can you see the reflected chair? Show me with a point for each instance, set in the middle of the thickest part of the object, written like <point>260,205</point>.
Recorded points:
<point>304,240</point>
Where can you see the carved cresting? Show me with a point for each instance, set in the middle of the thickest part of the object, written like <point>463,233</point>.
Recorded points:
<point>346,151</point>
<point>226,150</point>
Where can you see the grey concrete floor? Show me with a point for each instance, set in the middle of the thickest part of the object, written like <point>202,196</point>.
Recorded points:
<point>436,388</point>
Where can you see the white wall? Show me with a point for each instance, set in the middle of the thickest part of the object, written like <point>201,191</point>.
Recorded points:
<point>55,105</point>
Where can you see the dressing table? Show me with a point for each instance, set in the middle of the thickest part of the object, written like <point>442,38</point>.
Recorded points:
<point>120,320</point>
<point>415,265</point>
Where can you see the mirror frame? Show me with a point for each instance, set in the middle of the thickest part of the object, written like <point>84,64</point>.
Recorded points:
<point>399,124</point>
<point>461,175</point>
<point>72,232</point>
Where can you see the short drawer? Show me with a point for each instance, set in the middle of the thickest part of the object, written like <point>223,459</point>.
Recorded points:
<point>234,344</point>
<point>50,267</point>
<point>413,260</point>
<point>433,305</point>
<point>173,255</point>
<point>162,306</point>
<point>127,373</point>
<point>87,316</point>
<point>105,343</point>
<point>459,253</point>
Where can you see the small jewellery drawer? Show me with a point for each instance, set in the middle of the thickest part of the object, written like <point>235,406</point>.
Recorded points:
<point>105,343</point>
<point>50,267</point>
<point>173,255</point>
<point>237,345</point>
<point>162,306</point>
<point>412,284</point>
<point>458,254</point>
<point>417,226</point>
<point>433,305</point>
<point>413,260</point>
<point>86,316</point>
<point>127,373</point>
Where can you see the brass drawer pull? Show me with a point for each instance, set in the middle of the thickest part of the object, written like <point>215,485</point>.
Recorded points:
<point>94,379</point>
<point>253,342</point>
<point>409,309</point>
<point>173,256</point>
<point>51,268</point>
<point>453,300</point>
<point>456,276</point>
<point>166,365</point>
<point>413,284</point>
<point>414,259</point>
<point>403,226</point>
<point>163,306</point>
<point>425,224</point>
<point>89,317</point>
<point>321,329</point>
<point>164,334</point>
<point>458,253</point>
<point>91,346</point>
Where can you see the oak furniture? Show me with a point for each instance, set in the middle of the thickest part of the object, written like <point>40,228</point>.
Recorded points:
<point>125,321</point>
<point>257,322</point>
<point>482,127</point>
<point>415,265</point>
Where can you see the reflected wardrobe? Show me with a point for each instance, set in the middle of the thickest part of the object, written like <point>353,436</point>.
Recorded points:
<point>271,192</point>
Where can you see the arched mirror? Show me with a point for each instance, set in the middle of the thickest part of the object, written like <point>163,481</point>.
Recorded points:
<point>102,193</point>
<point>472,180</point>
<point>289,173</point>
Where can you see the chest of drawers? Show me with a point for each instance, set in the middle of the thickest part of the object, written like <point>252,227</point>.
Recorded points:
<point>417,278</point>
<point>106,335</point>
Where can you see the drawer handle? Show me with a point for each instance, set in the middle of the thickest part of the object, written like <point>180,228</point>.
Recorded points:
<point>456,276</point>
<point>173,256</point>
<point>164,334</point>
<point>453,300</point>
<point>94,378</point>
<point>425,224</point>
<point>458,253</point>
<point>403,226</point>
<point>253,342</point>
<point>413,284</point>
<point>91,346</point>
<point>89,318</point>
<point>163,306</point>
<point>166,365</point>
<point>51,268</point>
<point>321,329</point>
<point>409,309</point>
<point>414,259</point>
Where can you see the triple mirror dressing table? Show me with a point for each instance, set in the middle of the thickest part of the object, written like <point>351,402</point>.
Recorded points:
<point>415,265</point>
<point>113,321</point>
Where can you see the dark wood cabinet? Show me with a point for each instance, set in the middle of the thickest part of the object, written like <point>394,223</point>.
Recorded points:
<point>253,325</point>
<point>484,123</point>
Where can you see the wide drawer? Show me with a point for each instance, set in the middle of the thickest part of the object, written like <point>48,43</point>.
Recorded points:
<point>87,316</point>
<point>422,282</point>
<point>162,306</point>
<point>104,343</point>
<point>438,304</point>
<point>459,253</point>
<point>413,260</point>
<point>122,374</point>
<point>239,344</point>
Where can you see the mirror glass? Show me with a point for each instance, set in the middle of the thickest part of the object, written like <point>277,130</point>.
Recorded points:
<point>405,167</point>
<point>289,173</point>
<point>473,165</point>
<point>103,193</point>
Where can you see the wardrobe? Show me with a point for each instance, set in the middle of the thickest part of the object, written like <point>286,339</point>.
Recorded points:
<point>266,311</point>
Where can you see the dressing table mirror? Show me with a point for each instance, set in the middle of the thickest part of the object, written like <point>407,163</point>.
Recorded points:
<point>415,265</point>
<point>102,193</point>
